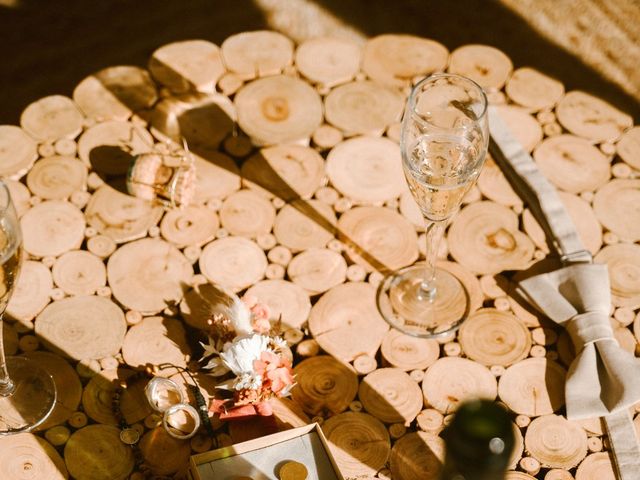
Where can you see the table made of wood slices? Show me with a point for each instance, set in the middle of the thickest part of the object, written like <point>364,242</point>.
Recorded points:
<point>301,201</point>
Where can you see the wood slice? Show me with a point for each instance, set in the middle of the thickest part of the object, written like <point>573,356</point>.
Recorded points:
<point>156,340</point>
<point>191,225</point>
<point>555,442</point>
<point>511,475</point>
<point>533,89</point>
<point>572,164</point>
<point>390,395</point>
<point>417,455</point>
<point>524,127</point>
<point>324,384</point>
<point>96,452</point>
<point>623,262</point>
<point>410,209</point>
<point>394,60</point>
<point>346,322</point>
<point>114,93</point>
<point>317,270</point>
<point>288,414</point>
<point>51,118</point>
<point>328,61</point>
<point>247,214</point>
<point>18,151</point>
<point>597,466</point>
<point>64,329</point>
<point>148,274</point>
<point>469,282</point>
<point>452,380</point>
<point>407,352</point>
<point>187,65</point>
<point>492,337</point>
<point>233,262</point>
<point>56,178</point>
<point>611,206</point>
<point>495,186</point>
<point>287,301</point>
<point>326,137</point>
<point>278,109</point>
<point>286,171</point>
<point>378,238</point>
<point>304,226</point>
<point>25,457</point>
<point>367,169</point>
<point>628,147</point>
<point>79,272</point>
<point>533,387</point>
<point>217,176</point>
<point>518,446</point>
<point>363,108</point>
<point>591,118</point>
<point>163,454</point>
<point>484,237</point>
<point>241,56</point>
<point>51,228</point>
<point>359,443</point>
<point>20,195</point>
<point>487,66</point>
<point>101,246</point>
<point>31,293</point>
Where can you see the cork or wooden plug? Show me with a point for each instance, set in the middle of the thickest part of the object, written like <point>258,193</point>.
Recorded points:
<point>390,395</point>
<point>247,214</point>
<point>31,293</point>
<point>287,301</point>
<point>156,340</point>
<point>407,352</point>
<point>25,456</point>
<point>52,228</point>
<point>18,151</point>
<point>51,118</point>
<point>486,65</point>
<point>533,89</point>
<point>328,61</point>
<point>555,442</point>
<point>623,261</point>
<point>417,455</point>
<point>241,56</point>
<point>233,262</point>
<point>317,270</point>
<point>57,177</point>
<point>610,205</point>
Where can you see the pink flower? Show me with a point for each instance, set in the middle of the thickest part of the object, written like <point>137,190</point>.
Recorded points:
<point>276,372</point>
<point>260,311</point>
<point>262,326</point>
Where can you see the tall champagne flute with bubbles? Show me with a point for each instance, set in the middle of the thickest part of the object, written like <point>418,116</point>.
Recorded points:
<point>27,392</point>
<point>444,140</point>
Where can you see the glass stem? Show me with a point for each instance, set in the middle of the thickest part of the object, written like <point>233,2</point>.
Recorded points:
<point>6,385</point>
<point>434,231</point>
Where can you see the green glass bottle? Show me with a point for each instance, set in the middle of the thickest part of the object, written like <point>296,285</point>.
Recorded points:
<point>479,442</point>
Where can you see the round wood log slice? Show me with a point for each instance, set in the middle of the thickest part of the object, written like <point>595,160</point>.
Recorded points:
<point>487,66</point>
<point>156,340</point>
<point>190,225</point>
<point>407,352</point>
<point>597,466</point>
<point>304,226</point>
<point>378,238</point>
<point>495,186</point>
<point>623,262</point>
<point>79,272</point>
<point>25,457</point>
<point>533,387</point>
<point>367,169</point>
<point>417,455</point>
<point>187,65</point>
<point>346,322</point>
<point>96,452</point>
<point>556,442</point>
<point>452,380</point>
<point>512,475</point>
<point>286,171</point>
<point>317,270</point>
<point>56,178</point>
<point>241,56</point>
<point>217,176</point>
<point>533,89</point>
<point>589,117</point>
<point>64,328</point>
<point>101,246</point>
<point>164,454</point>
<point>119,216</point>
<point>31,293</point>
<point>278,109</point>
<point>492,337</point>
<point>148,274</point>
<point>20,195</point>
<point>359,443</point>
<point>51,118</point>
<point>628,147</point>
<point>288,414</point>
<point>52,228</point>
<point>469,282</point>
<point>394,60</point>
<point>518,446</point>
<point>324,384</point>
<point>247,214</point>
<point>524,127</point>
<point>410,210</point>
<point>484,237</point>
<point>113,93</point>
<point>287,301</point>
<point>363,108</point>
<point>611,206</point>
<point>18,151</point>
<point>390,395</point>
<point>233,262</point>
<point>328,61</point>
<point>572,164</point>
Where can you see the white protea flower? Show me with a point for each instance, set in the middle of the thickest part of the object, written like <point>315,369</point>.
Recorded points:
<point>247,381</point>
<point>239,355</point>
<point>279,343</point>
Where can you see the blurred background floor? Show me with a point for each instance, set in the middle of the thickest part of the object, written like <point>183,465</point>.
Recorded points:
<point>49,46</point>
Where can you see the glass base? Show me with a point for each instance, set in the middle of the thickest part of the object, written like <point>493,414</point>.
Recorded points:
<point>405,305</point>
<point>30,401</point>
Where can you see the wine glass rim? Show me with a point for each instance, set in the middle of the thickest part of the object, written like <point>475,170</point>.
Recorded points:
<point>414,92</point>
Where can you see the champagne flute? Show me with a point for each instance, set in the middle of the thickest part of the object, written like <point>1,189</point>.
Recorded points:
<point>27,392</point>
<point>444,140</point>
